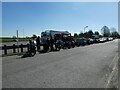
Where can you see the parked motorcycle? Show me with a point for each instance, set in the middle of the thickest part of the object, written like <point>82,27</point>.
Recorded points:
<point>32,48</point>
<point>58,45</point>
<point>32,51</point>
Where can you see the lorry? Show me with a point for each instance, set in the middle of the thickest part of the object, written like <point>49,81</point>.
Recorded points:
<point>61,38</point>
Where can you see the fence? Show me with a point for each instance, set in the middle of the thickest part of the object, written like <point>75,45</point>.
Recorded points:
<point>15,48</point>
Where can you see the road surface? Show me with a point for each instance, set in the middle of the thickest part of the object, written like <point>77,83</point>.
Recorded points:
<point>80,67</point>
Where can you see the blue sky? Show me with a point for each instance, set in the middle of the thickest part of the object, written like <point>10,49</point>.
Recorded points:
<point>35,17</point>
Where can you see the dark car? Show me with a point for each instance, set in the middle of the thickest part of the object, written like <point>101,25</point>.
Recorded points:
<point>96,40</point>
<point>81,42</point>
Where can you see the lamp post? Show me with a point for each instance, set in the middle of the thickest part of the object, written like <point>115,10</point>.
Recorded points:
<point>85,28</point>
<point>23,33</point>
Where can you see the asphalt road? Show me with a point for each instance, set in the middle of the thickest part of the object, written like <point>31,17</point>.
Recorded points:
<point>80,67</point>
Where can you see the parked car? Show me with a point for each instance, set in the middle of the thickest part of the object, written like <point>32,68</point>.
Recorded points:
<point>105,39</point>
<point>89,41</point>
<point>81,42</point>
<point>110,38</point>
<point>96,40</point>
<point>101,40</point>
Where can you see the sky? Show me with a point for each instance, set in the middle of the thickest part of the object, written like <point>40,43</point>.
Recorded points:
<point>35,17</point>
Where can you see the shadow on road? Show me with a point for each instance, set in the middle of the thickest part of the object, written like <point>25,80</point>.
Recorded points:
<point>26,55</point>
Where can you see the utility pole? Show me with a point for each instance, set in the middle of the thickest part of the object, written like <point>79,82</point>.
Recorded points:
<point>17,41</point>
<point>23,33</point>
<point>85,28</point>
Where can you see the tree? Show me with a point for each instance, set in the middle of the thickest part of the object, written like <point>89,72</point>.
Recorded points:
<point>112,29</point>
<point>105,31</point>
<point>86,35</point>
<point>115,34</point>
<point>81,35</point>
<point>75,35</point>
<point>96,33</point>
<point>90,33</point>
<point>27,37</point>
<point>14,37</point>
<point>34,36</point>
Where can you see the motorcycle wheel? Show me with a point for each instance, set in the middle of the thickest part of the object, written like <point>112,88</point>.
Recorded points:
<point>33,53</point>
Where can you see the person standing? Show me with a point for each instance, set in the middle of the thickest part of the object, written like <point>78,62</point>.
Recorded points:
<point>38,43</point>
<point>51,43</point>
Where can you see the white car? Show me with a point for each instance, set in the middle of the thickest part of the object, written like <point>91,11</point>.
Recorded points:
<point>101,39</point>
<point>110,39</point>
<point>104,39</point>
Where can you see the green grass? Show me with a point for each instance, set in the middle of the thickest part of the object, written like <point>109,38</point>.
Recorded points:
<point>13,40</point>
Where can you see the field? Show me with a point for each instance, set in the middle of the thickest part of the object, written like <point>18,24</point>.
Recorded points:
<point>13,40</point>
